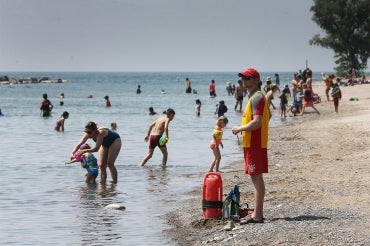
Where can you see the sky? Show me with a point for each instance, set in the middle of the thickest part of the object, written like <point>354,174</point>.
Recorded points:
<point>159,36</point>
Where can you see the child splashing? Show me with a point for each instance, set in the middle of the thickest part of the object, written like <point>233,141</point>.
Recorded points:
<point>216,142</point>
<point>88,161</point>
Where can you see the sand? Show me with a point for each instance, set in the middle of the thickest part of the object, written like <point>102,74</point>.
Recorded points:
<point>317,188</point>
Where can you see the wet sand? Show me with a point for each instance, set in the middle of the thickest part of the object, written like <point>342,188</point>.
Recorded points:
<point>317,188</point>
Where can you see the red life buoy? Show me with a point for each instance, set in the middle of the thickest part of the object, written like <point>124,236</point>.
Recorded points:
<point>212,196</point>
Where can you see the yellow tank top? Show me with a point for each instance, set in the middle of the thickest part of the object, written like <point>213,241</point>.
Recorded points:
<point>259,137</point>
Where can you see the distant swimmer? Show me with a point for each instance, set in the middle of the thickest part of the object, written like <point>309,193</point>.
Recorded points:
<point>1,114</point>
<point>151,111</point>
<point>61,102</point>
<point>163,92</point>
<point>212,89</point>
<point>138,90</point>
<point>46,106</point>
<point>187,86</point>
<point>198,105</point>
<point>113,126</point>
<point>107,102</point>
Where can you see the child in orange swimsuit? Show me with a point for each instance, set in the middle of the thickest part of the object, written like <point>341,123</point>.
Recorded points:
<point>217,141</point>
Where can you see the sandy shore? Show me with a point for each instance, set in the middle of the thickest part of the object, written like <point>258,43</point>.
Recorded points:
<point>317,188</point>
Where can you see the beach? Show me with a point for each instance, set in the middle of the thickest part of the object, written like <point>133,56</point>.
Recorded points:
<point>316,189</point>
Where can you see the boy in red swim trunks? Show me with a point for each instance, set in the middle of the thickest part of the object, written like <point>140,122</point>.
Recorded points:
<point>158,128</point>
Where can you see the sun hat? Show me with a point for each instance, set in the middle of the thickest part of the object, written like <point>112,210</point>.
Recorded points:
<point>250,72</point>
<point>268,79</point>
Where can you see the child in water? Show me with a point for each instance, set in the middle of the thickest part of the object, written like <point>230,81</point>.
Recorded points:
<point>88,161</point>
<point>198,105</point>
<point>113,126</point>
<point>216,142</point>
<point>59,126</point>
<point>107,102</point>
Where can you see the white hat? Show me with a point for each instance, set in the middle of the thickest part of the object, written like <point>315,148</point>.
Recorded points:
<point>268,79</point>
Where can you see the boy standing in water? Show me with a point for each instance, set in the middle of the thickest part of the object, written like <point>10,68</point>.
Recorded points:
<point>158,128</point>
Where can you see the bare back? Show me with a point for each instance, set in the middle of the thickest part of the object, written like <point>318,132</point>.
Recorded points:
<point>239,91</point>
<point>160,125</point>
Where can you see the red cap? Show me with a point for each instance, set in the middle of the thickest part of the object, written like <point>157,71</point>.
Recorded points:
<point>250,72</point>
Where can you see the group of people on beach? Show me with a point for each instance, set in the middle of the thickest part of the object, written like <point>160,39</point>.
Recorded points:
<point>253,128</point>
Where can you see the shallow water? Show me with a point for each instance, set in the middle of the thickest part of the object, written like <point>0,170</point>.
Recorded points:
<point>43,201</point>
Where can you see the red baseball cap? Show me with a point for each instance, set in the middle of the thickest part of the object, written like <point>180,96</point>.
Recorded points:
<point>250,72</point>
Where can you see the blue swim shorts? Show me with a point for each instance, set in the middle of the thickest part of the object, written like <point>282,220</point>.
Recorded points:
<point>93,171</point>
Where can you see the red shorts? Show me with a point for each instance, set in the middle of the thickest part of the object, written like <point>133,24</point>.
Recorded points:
<point>255,161</point>
<point>154,141</point>
<point>307,104</point>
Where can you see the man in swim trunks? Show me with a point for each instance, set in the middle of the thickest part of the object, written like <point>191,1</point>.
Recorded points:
<point>254,129</point>
<point>239,95</point>
<point>158,128</point>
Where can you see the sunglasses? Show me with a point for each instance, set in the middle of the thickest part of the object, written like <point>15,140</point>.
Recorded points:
<point>246,78</point>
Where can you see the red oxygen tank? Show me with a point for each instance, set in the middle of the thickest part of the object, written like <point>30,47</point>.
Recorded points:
<point>212,196</point>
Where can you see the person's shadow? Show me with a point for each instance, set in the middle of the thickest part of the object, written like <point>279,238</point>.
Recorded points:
<point>302,218</point>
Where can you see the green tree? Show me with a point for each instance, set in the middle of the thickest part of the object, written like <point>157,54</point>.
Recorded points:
<point>346,25</point>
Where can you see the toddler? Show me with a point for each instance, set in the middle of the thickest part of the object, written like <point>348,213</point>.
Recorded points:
<point>88,161</point>
<point>198,105</point>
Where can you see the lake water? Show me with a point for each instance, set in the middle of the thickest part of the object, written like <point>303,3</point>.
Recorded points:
<point>43,201</point>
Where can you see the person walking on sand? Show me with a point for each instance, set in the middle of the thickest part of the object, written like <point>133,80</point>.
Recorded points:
<point>239,95</point>
<point>336,93</point>
<point>59,126</point>
<point>216,142</point>
<point>328,80</point>
<point>308,99</point>
<point>107,142</point>
<point>254,129</point>
<point>156,130</point>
